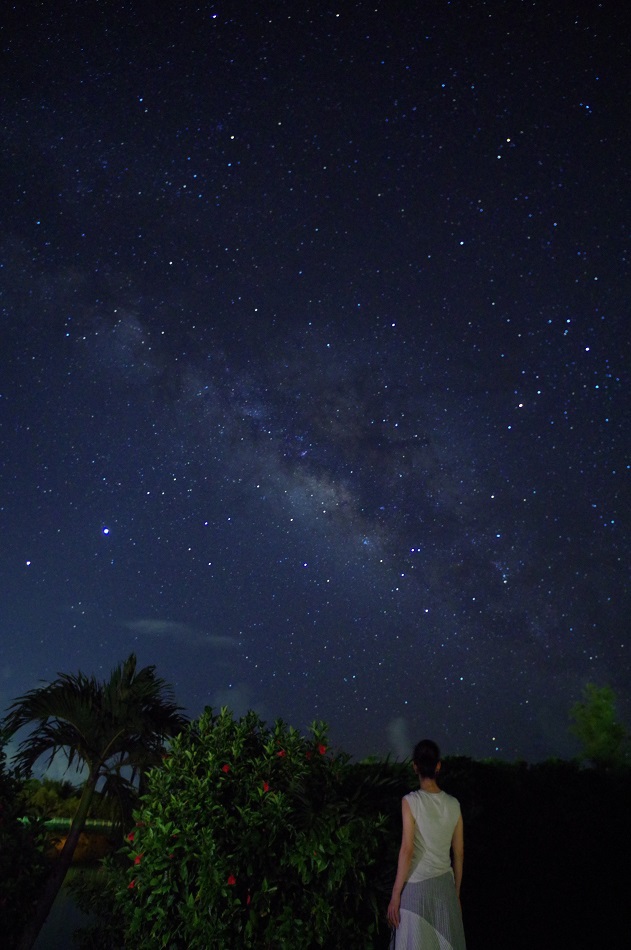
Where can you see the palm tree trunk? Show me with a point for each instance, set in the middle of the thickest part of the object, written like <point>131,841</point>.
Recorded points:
<point>55,879</point>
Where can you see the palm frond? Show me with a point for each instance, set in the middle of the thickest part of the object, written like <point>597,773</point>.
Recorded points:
<point>93,723</point>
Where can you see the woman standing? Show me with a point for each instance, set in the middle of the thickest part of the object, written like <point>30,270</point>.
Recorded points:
<point>425,905</point>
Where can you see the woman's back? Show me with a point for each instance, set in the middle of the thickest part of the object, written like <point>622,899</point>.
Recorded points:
<point>435,816</point>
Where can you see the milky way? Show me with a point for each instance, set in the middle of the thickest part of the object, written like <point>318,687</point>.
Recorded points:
<point>315,362</point>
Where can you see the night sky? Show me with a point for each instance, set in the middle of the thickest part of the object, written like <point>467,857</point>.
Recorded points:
<point>314,358</point>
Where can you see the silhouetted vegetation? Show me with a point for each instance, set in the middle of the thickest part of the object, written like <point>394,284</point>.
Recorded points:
<point>545,853</point>
<point>275,828</point>
<point>22,845</point>
<point>604,740</point>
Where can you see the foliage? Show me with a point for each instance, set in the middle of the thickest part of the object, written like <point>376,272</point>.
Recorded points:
<point>254,837</point>
<point>54,798</point>
<point>605,741</point>
<point>22,862</point>
<point>114,729</point>
<point>50,798</point>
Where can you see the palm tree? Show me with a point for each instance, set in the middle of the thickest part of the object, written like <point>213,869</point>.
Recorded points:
<point>105,727</point>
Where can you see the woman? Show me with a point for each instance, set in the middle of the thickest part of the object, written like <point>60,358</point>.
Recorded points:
<point>425,905</point>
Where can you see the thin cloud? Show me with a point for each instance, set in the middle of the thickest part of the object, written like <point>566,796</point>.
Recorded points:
<point>182,632</point>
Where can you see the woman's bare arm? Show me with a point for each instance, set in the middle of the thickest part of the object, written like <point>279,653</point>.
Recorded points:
<point>405,856</point>
<point>457,847</point>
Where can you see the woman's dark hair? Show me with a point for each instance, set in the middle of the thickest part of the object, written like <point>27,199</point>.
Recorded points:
<point>426,757</point>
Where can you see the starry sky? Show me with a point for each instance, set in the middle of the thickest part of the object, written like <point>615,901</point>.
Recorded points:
<point>314,359</point>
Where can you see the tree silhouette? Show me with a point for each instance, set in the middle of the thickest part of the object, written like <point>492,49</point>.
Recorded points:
<point>603,738</point>
<point>110,728</point>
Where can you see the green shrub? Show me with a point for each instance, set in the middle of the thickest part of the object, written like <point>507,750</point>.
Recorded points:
<point>250,837</point>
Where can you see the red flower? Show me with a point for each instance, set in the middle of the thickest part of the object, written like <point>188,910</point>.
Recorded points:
<point>281,754</point>
<point>171,855</point>
<point>225,768</point>
<point>248,899</point>
<point>232,879</point>
<point>131,884</point>
<point>321,749</point>
<point>139,858</point>
<point>266,786</point>
<point>130,836</point>
<point>308,754</point>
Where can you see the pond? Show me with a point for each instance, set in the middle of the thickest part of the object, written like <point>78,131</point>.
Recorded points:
<point>64,918</point>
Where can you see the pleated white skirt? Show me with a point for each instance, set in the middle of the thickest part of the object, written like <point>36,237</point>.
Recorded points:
<point>430,917</point>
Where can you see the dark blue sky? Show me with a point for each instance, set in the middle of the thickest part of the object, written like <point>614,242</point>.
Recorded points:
<point>314,367</point>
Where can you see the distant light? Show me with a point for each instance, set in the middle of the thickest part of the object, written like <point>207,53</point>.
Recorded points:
<point>105,530</point>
